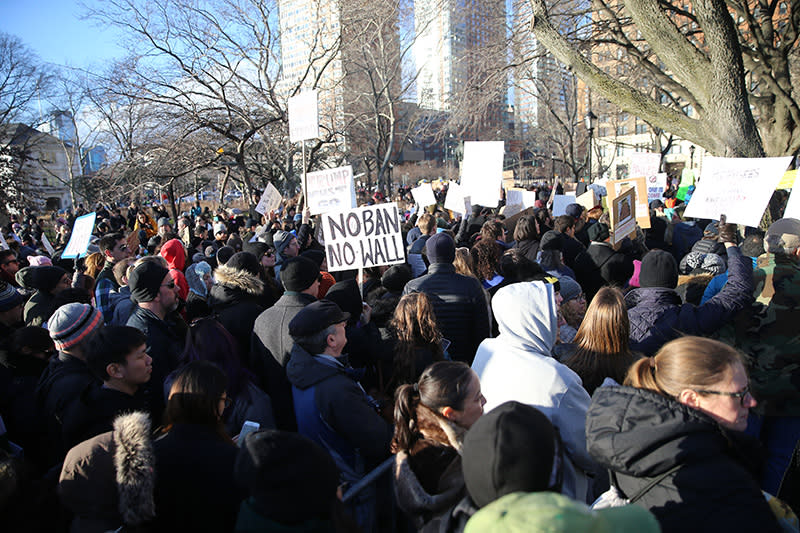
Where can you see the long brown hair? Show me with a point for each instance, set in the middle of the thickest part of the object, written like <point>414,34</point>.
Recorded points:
<point>443,384</point>
<point>463,262</point>
<point>194,397</point>
<point>684,363</point>
<point>602,346</point>
<point>486,257</point>
<point>414,325</point>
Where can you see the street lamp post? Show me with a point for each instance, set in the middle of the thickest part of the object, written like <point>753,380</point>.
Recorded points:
<point>591,122</point>
<point>691,156</point>
<point>553,162</point>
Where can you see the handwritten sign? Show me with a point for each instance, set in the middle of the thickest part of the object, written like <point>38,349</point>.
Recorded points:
<point>739,188</point>
<point>331,190</point>
<point>482,171</point>
<point>270,200</point>
<point>641,209</point>
<point>455,201</point>
<point>656,185</point>
<point>303,117</point>
<point>363,237</point>
<point>423,195</point>
<point>588,199</point>
<point>47,245</point>
<point>560,203</point>
<point>644,164</point>
<point>623,215</point>
<point>81,234</point>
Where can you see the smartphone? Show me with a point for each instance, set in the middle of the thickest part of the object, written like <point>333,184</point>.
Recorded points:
<point>247,428</point>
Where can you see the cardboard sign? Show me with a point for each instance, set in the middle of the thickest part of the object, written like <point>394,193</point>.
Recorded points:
<point>303,116</point>
<point>560,203</point>
<point>508,179</point>
<point>81,234</point>
<point>482,171</point>
<point>623,215</point>
<point>656,185</point>
<point>455,200</point>
<point>739,188</point>
<point>47,245</point>
<point>644,164</point>
<point>270,200</point>
<point>363,237</point>
<point>588,199</point>
<point>641,209</point>
<point>511,222</point>
<point>787,181</point>
<point>330,190</point>
<point>423,195</point>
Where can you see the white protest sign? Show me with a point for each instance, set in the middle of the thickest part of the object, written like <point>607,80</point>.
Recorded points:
<point>423,195</point>
<point>623,215</point>
<point>81,234</point>
<point>739,188</point>
<point>3,243</point>
<point>270,200</point>
<point>529,199</point>
<point>482,171</point>
<point>793,205</point>
<point>588,199</point>
<point>330,190</point>
<point>303,116</point>
<point>455,201</point>
<point>560,203</point>
<point>515,197</point>
<point>656,185</point>
<point>644,164</point>
<point>47,245</point>
<point>363,237</point>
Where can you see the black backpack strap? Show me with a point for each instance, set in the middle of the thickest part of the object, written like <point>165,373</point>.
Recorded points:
<point>653,482</point>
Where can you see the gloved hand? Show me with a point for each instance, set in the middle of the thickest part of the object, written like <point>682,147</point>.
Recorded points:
<point>728,233</point>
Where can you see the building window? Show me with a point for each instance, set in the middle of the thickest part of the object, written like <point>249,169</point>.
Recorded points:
<point>620,151</point>
<point>622,130</point>
<point>641,128</point>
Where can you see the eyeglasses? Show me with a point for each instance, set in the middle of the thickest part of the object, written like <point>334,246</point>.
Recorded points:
<point>741,395</point>
<point>170,285</point>
<point>123,246</point>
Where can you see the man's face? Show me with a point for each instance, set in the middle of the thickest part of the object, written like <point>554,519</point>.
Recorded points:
<point>337,340</point>
<point>168,294</point>
<point>268,259</point>
<point>13,316</point>
<point>63,284</point>
<point>119,251</point>
<point>137,368</point>
<point>10,265</point>
<point>292,249</point>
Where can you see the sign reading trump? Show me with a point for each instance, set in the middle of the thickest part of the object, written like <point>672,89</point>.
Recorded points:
<point>363,237</point>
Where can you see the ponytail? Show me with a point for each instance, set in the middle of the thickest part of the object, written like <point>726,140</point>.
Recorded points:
<point>406,433</point>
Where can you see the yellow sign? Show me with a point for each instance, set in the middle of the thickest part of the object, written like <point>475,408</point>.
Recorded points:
<point>787,181</point>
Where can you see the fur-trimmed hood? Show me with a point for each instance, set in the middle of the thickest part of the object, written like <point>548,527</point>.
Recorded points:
<point>108,480</point>
<point>238,279</point>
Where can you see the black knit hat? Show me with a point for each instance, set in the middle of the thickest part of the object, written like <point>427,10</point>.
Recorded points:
<point>441,248</point>
<point>395,279</point>
<point>509,449</point>
<point>290,477</point>
<point>224,253</point>
<point>45,278</point>
<point>299,273</point>
<point>598,232</point>
<point>318,256</point>
<point>346,295</point>
<point>551,240</point>
<point>245,261</point>
<point>659,269</point>
<point>256,248</point>
<point>145,281</point>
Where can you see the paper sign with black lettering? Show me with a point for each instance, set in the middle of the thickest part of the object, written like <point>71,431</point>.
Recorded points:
<point>482,171</point>
<point>655,186</point>
<point>81,234</point>
<point>364,237</point>
<point>303,117</point>
<point>47,245</point>
<point>330,190</point>
<point>738,187</point>
<point>270,200</point>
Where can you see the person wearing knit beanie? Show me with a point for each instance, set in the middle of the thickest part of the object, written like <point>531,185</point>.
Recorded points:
<point>441,248</point>
<point>659,269</point>
<point>147,280</point>
<point>49,281</point>
<point>72,325</point>
<point>10,310</point>
<point>224,253</point>
<point>299,274</point>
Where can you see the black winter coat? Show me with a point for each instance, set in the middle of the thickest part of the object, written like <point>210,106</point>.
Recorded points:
<point>460,307</point>
<point>639,435</point>
<point>600,265</point>
<point>236,303</point>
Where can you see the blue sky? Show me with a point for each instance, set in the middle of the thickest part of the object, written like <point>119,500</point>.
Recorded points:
<point>54,30</point>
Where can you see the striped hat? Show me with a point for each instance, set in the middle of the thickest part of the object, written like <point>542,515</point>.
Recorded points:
<point>9,297</point>
<point>73,323</point>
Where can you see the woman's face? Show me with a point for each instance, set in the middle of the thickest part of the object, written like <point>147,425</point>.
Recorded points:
<point>730,412</point>
<point>472,409</point>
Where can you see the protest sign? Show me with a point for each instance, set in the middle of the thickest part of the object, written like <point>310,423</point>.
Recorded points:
<point>687,180</point>
<point>515,202</point>
<point>511,222</point>
<point>560,203</point>
<point>330,190</point>
<point>303,116</point>
<point>787,181</point>
<point>423,195</point>
<point>793,205</point>
<point>270,200</point>
<point>656,185</point>
<point>641,209</point>
<point>739,188</point>
<point>508,179</point>
<point>529,199</point>
<point>81,234</point>
<point>47,245</point>
<point>455,201</point>
<point>588,199</point>
<point>644,164</point>
<point>3,243</point>
<point>482,171</point>
<point>363,237</point>
<point>623,215</point>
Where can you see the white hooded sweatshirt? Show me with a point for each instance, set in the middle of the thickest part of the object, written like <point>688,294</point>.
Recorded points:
<point>517,365</point>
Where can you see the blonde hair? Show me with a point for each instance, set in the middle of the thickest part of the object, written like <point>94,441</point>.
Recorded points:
<point>684,363</point>
<point>463,262</point>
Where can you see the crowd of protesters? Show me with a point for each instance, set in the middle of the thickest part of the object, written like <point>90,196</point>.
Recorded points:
<point>209,374</point>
